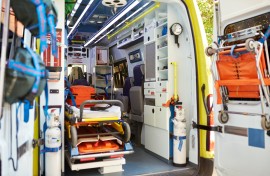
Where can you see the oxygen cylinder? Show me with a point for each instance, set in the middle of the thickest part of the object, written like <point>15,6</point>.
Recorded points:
<point>52,146</point>
<point>179,133</point>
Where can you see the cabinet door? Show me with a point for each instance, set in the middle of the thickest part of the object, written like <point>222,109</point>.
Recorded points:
<point>161,86</point>
<point>149,115</point>
<point>162,117</point>
<point>150,63</point>
<point>161,98</point>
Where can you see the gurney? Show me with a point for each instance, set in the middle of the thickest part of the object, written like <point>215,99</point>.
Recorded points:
<point>96,132</point>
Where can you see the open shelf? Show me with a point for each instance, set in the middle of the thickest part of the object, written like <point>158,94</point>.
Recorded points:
<point>161,25</point>
<point>162,37</point>
<point>163,48</point>
<point>163,59</point>
<point>130,43</point>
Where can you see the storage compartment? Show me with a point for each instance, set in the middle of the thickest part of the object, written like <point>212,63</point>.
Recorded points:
<point>161,98</point>
<point>149,32</point>
<point>149,92</point>
<point>149,115</point>
<point>149,85</point>
<point>162,117</point>
<point>162,86</point>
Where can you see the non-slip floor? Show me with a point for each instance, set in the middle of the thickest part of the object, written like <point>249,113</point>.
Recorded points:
<point>139,163</point>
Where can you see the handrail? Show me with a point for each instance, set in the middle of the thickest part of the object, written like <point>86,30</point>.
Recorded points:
<point>128,24</point>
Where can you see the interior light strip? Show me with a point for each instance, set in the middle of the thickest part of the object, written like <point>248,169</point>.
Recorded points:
<point>136,2</point>
<point>137,11</point>
<point>77,22</point>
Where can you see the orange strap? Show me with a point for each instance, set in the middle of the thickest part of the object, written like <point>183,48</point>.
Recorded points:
<point>239,82</point>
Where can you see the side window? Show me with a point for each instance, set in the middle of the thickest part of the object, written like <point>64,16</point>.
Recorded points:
<point>120,72</point>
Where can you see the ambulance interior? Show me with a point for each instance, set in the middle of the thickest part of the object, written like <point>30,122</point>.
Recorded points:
<point>130,52</point>
<point>135,90</point>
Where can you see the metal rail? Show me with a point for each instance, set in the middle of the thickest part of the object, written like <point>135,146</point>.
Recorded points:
<point>4,53</point>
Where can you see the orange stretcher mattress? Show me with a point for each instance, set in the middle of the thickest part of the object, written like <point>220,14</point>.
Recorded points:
<point>242,69</point>
<point>97,147</point>
<point>81,94</point>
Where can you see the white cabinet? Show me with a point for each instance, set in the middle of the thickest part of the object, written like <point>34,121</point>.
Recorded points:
<point>161,99</point>
<point>149,115</point>
<point>162,86</point>
<point>157,124</point>
<point>162,117</point>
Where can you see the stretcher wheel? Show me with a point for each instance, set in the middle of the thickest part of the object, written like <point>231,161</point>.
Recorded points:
<point>223,117</point>
<point>250,44</point>
<point>74,136</point>
<point>127,132</point>
<point>265,124</point>
<point>209,51</point>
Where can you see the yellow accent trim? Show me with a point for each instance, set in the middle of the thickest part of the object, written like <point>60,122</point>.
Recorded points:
<point>204,74</point>
<point>100,119</point>
<point>36,136</point>
<point>175,79</point>
<point>118,127</point>
<point>128,24</point>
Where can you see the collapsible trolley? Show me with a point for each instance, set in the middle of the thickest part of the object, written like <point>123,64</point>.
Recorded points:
<point>241,71</point>
<point>97,137</point>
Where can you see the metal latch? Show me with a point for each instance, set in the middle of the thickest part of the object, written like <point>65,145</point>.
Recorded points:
<point>37,142</point>
<point>207,128</point>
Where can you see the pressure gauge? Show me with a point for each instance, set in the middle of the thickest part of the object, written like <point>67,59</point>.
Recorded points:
<point>176,29</point>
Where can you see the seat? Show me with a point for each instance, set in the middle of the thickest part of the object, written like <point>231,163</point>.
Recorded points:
<point>137,101</point>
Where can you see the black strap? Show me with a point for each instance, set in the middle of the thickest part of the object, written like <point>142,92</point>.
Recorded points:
<point>207,128</point>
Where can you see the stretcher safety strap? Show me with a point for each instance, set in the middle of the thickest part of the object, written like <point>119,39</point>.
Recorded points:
<point>53,35</point>
<point>46,149</point>
<point>42,21</point>
<point>181,141</point>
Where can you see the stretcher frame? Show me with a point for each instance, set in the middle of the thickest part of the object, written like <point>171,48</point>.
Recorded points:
<point>112,161</point>
<point>262,81</point>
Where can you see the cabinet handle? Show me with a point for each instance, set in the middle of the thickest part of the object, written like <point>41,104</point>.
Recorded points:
<point>160,109</point>
<point>153,111</point>
<point>148,38</point>
<point>160,84</point>
<point>160,95</point>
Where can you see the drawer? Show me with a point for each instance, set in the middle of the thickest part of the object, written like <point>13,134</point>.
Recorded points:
<point>162,117</point>
<point>162,86</point>
<point>149,85</point>
<point>161,98</point>
<point>149,92</point>
<point>149,115</point>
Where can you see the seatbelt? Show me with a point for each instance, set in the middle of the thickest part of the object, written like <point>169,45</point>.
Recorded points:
<point>53,35</point>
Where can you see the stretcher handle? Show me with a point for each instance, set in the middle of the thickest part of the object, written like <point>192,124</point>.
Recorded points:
<point>115,102</point>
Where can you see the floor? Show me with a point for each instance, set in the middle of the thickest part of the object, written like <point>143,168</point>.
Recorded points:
<point>139,163</point>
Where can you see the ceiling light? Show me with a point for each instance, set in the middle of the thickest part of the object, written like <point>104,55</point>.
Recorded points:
<point>99,22</point>
<point>136,2</point>
<point>76,6</point>
<point>114,3</point>
<point>77,22</point>
<point>92,21</point>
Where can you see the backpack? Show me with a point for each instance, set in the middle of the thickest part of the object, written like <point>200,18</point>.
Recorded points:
<point>25,76</point>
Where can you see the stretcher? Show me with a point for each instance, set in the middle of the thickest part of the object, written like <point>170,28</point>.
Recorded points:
<point>96,133</point>
<point>241,72</point>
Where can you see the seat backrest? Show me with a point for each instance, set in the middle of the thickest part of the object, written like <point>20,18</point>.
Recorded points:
<point>127,85</point>
<point>138,73</point>
<point>136,100</point>
<point>76,73</point>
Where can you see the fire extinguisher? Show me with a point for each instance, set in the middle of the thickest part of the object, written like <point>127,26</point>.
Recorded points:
<point>179,136</point>
<point>53,145</point>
